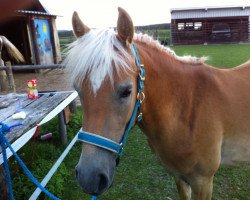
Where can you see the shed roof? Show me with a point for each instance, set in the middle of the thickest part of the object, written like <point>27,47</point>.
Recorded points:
<point>210,12</point>
<point>30,12</point>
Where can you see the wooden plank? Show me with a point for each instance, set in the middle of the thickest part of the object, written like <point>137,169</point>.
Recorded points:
<point>33,67</point>
<point>35,112</point>
<point>58,57</point>
<point>31,44</point>
<point>13,106</point>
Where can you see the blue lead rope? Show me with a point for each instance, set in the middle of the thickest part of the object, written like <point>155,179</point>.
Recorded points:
<point>94,197</point>
<point>3,140</point>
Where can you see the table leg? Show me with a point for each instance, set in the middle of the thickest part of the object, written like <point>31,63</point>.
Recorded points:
<point>72,106</point>
<point>62,128</point>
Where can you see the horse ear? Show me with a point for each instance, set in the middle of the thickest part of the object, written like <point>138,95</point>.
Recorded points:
<point>78,26</point>
<point>125,27</point>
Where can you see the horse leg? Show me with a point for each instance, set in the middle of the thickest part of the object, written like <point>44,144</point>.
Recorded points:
<point>202,188</point>
<point>183,188</point>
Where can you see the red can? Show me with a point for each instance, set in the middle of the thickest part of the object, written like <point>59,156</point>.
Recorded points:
<point>32,89</point>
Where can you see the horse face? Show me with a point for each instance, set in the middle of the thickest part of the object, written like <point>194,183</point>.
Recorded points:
<point>106,111</point>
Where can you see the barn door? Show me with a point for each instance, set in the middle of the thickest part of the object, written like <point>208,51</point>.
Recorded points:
<point>43,42</point>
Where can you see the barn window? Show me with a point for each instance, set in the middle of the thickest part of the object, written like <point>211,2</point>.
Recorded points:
<point>180,26</point>
<point>189,24</point>
<point>197,26</point>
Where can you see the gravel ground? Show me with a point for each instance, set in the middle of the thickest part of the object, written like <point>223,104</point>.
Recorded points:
<point>46,80</point>
<point>56,79</point>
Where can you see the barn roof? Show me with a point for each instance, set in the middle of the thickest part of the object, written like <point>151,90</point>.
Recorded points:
<point>30,12</point>
<point>210,12</point>
<point>36,8</point>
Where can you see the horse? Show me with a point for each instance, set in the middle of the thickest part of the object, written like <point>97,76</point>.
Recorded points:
<point>195,116</point>
<point>12,51</point>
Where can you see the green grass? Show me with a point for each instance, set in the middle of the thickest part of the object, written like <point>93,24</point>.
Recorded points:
<point>139,175</point>
<point>66,40</point>
<point>224,56</point>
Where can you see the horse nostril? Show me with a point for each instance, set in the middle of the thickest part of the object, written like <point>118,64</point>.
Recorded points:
<point>103,182</point>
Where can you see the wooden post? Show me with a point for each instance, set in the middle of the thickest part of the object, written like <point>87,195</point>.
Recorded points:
<point>72,106</point>
<point>62,128</point>
<point>4,192</point>
<point>3,80</point>
<point>3,77</point>
<point>12,85</point>
<point>3,86</point>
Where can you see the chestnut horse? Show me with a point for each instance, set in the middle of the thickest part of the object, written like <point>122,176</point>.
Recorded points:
<point>195,116</point>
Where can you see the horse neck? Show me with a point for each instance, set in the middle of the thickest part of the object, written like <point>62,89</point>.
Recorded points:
<point>162,69</point>
<point>169,86</point>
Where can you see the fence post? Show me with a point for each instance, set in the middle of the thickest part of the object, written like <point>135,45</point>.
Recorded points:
<point>3,78</point>
<point>9,71</point>
<point>72,106</point>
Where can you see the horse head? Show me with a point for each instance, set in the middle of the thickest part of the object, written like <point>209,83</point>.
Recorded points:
<point>105,74</point>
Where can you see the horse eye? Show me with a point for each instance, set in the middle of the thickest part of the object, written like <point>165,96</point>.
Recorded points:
<point>126,93</point>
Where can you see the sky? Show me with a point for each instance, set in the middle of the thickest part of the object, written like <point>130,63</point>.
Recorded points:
<point>103,13</point>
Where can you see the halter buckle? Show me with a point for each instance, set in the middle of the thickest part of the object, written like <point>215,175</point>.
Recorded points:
<point>139,117</point>
<point>142,73</point>
<point>142,78</point>
<point>140,97</point>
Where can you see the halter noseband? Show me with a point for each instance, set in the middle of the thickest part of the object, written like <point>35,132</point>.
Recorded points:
<point>111,145</point>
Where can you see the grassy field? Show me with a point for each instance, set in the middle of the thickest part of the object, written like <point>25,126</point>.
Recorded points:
<point>139,175</point>
<point>223,56</point>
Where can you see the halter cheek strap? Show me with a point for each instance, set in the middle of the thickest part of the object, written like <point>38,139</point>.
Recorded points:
<point>111,145</point>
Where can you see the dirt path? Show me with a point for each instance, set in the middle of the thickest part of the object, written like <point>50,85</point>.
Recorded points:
<point>47,80</point>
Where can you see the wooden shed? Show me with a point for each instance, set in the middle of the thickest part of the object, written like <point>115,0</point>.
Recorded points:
<point>210,25</point>
<point>33,31</point>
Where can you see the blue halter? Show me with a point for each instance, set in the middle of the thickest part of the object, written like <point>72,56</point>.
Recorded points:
<point>111,145</point>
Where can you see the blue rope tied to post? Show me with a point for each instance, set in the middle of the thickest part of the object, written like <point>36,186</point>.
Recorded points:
<point>3,129</point>
<point>3,141</point>
<point>94,197</point>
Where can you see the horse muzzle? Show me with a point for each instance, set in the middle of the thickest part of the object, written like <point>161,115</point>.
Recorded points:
<point>95,176</point>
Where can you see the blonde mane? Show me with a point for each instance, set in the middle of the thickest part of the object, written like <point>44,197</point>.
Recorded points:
<point>148,40</point>
<point>98,53</point>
